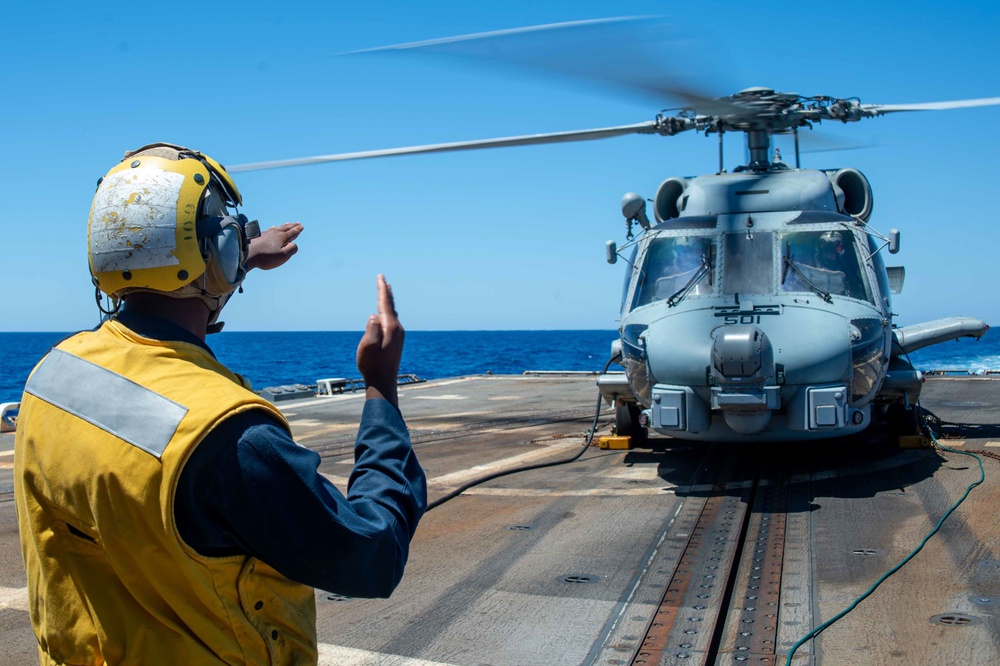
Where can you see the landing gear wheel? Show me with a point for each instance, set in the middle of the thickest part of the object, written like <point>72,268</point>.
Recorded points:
<point>902,421</point>
<point>627,423</point>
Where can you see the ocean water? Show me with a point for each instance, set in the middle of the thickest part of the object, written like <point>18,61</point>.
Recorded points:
<point>278,359</point>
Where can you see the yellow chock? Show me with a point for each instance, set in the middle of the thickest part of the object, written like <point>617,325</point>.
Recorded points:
<point>914,442</point>
<point>616,443</point>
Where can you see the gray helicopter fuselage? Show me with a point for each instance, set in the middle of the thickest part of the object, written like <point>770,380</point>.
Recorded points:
<point>760,311</point>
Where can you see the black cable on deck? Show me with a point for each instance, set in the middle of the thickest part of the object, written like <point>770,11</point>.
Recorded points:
<point>516,470</point>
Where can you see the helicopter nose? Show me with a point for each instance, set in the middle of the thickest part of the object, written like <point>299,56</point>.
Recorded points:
<point>742,362</point>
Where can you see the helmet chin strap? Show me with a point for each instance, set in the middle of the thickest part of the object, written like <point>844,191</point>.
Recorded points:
<point>214,326</point>
<point>214,303</point>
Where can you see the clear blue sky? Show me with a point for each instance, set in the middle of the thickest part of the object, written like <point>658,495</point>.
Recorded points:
<point>501,239</point>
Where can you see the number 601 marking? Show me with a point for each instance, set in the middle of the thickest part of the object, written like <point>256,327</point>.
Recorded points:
<point>741,319</point>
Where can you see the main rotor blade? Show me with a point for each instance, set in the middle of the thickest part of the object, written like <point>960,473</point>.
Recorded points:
<point>442,41</point>
<point>932,106</point>
<point>649,127</point>
<point>637,54</point>
<point>817,141</point>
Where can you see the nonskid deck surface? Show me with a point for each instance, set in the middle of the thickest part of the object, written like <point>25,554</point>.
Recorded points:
<point>694,554</point>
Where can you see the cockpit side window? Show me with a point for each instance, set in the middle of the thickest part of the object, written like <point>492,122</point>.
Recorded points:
<point>822,262</point>
<point>676,267</point>
<point>628,277</point>
<point>880,272</point>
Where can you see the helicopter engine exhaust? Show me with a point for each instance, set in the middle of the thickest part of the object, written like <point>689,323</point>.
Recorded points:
<point>742,362</point>
<point>853,192</point>
<point>668,202</point>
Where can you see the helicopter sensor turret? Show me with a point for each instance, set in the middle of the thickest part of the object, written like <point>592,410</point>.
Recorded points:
<point>742,364</point>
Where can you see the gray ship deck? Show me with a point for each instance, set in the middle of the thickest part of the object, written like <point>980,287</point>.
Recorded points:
<point>694,554</point>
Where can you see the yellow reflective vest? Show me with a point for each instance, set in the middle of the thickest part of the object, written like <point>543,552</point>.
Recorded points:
<point>107,421</point>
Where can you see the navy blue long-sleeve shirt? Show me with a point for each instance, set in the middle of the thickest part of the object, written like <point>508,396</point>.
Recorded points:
<point>248,488</point>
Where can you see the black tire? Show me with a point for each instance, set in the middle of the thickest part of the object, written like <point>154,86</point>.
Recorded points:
<point>627,423</point>
<point>902,421</point>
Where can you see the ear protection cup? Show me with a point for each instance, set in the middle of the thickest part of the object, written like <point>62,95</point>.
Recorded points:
<point>224,258</point>
<point>225,243</point>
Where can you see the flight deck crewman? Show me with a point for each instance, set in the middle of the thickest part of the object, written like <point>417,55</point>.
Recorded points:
<point>166,514</point>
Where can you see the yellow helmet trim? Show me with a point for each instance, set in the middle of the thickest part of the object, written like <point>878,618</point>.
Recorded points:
<point>141,232</point>
<point>221,172</point>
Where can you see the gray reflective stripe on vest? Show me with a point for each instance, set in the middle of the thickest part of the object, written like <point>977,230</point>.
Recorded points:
<point>107,400</point>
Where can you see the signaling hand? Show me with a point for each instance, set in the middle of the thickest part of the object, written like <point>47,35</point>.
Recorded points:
<point>274,246</point>
<point>381,347</point>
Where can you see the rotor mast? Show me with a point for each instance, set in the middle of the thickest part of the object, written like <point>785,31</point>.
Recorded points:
<point>759,144</point>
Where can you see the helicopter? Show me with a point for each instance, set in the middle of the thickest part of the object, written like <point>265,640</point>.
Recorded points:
<point>756,304</point>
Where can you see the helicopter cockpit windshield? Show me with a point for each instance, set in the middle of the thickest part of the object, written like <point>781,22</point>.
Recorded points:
<point>676,267</point>
<point>824,262</point>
